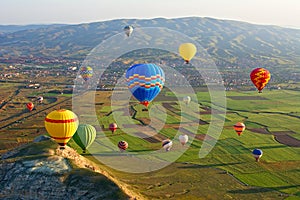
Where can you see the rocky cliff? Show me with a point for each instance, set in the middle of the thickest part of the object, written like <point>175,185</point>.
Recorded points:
<point>41,170</point>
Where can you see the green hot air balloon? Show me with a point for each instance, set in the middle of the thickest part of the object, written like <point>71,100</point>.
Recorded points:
<point>84,136</point>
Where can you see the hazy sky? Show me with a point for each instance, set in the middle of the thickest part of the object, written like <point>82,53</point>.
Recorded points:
<point>276,12</point>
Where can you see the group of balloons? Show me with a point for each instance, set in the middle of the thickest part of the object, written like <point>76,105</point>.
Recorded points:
<point>62,125</point>
<point>167,144</point>
<point>145,82</point>
<point>30,105</point>
<point>239,127</point>
<point>260,77</point>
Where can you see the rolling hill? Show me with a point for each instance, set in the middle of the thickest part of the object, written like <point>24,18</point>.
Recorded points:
<point>14,28</point>
<point>227,41</point>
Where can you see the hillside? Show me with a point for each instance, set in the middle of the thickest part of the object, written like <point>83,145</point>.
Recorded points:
<point>40,170</point>
<point>227,41</point>
<point>14,28</point>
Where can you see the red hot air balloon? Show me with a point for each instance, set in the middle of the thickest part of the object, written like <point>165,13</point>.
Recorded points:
<point>113,127</point>
<point>123,145</point>
<point>239,128</point>
<point>260,77</point>
<point>30,106</point>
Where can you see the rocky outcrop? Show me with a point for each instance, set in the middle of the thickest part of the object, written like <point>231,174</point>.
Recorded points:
<point>42,170</point>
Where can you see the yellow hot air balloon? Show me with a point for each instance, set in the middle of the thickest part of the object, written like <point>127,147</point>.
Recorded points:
<point>187,51</point>
<point>61,125</point>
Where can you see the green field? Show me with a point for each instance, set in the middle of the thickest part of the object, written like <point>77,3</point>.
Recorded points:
<point>278,169</point>
<point>229,171</point>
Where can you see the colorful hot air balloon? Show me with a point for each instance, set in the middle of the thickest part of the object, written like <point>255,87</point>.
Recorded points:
<point>167,144</point>
<point>128,30</point>
<point>260,77</point>
<point>239,128</point>
<point>145,81</point>
<point>86,73</point>
<point>61,125</point>
<point>187,51</point>
<point>183,139</point>
<point>187,100</point>
<point>84,136</point>
<point>123,145</point>
<point>257,153</point>
<point>30,106</point>
<point>40,99</point>
<point>113,127</point>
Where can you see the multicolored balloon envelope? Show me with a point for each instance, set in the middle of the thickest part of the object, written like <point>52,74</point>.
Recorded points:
<point>61,125</point>
<point>128,30</point>
<point>113,127</point>
<point>145,81</point>
<point>167,144</point>
<point>85,136</point>
<point>187,51</point>
<point>123,145</point>
<point>239,127</point>
<point>86,73</point>
<point>30,106</point>
<point>260,77</point>
<point>257,153</point>
<point>183,139</point>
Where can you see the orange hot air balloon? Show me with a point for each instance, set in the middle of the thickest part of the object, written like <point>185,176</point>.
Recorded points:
<point>30,106</point>
<point>61,125</point>
<point>260,77</point>
<point>239,128</point>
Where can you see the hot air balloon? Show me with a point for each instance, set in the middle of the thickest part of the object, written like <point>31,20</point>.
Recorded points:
<point>260,77</point>
<point>123,145</point>
<point>183,139</point>
<point>257,153</point>
<point>40,99</point>
<point>187,100</point>
<point>113,127</point>
<point>86,73</point>
<point>30,106</point>
<point>128,30</point>
<point>187,51</point>
<point>167,144</point>
<point>84,136</point>
<point>145,81</point>
<point>239,128</point>
<point>61,125</point>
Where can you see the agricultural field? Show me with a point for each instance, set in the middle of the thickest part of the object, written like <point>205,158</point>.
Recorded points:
<point>272,121</point>
<point>229,171</point>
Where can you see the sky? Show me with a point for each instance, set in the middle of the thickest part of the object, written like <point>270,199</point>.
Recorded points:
<point>274,12</point>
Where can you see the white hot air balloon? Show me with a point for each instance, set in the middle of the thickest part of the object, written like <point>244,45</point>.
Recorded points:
<point>187,100</point>
<point>183,139</point>
<point>40,99</point>
<point>128,30</point>
<point>167,144</point>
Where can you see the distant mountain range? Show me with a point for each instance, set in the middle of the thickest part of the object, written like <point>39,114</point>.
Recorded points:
<point>227,41</point>
<point>15,28</point>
